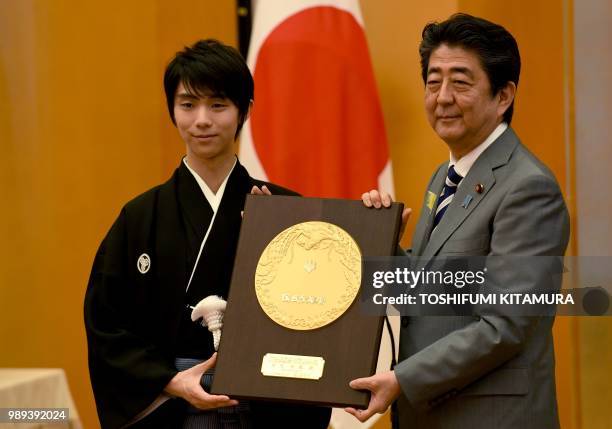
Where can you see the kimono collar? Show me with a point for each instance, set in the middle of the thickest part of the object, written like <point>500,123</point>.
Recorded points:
<point>214,199</point>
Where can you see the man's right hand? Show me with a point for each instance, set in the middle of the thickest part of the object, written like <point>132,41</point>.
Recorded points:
<point>378,199</point>
<point>186,385</point>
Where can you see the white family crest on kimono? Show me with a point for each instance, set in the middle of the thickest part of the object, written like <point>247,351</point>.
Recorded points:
<point>144,263</point>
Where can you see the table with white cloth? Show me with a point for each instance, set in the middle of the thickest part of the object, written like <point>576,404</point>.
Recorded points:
<point>37,388</point>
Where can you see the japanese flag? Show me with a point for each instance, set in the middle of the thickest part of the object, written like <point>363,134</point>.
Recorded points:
<point>317,124</point>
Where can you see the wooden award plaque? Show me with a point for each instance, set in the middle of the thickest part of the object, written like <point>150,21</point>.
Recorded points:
<point>282,343</point>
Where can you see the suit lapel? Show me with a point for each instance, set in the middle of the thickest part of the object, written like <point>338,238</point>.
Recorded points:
<point>457,211</point>
<point>428,211</point>
<point>467,199</point>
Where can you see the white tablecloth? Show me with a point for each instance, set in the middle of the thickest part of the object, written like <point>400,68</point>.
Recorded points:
<point>37,388</point>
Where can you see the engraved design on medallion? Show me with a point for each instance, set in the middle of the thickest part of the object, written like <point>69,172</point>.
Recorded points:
<point>308,275</point>
<point>310,266</point>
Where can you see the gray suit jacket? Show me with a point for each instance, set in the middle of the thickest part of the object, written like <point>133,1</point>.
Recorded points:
<point>487,371</point>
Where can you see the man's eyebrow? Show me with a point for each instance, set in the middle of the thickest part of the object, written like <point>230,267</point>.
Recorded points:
<point>431,70</point>
<point>190,96</point>
<point>464,70</point>
<point>187,96</point>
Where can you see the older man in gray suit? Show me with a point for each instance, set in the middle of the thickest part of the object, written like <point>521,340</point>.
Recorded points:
<point>493,198</point>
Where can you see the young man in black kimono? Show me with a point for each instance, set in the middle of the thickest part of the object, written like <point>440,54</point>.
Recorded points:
<point>169,248</point>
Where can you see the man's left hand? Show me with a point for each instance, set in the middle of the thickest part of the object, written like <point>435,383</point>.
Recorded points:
<point>385,389</point>
<point>263,191</point>
<point>257,191</point>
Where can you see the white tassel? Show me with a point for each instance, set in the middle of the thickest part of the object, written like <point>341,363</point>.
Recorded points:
<point>211,309</point>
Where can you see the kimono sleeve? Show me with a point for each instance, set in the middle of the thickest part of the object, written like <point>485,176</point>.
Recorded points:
<point>127,369</point>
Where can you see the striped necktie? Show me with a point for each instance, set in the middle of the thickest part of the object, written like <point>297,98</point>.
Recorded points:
<point>450,187</point>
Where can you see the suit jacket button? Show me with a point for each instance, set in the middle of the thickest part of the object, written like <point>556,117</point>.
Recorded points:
<point>405,321</point>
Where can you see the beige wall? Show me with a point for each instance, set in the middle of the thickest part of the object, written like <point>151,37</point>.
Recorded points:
<point>83,128</point>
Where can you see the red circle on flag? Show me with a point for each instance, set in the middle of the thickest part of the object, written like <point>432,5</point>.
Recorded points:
<point>317,124</point>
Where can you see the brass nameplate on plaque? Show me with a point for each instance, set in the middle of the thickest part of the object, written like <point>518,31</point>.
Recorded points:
<point>308,275</point>
<point>292,366</point>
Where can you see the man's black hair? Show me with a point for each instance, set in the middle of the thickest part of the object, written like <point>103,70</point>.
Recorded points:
<point>210,66</point>
<point>492,43</point>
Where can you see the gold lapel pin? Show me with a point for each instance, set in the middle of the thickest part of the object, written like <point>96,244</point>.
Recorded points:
<point>479,188</point>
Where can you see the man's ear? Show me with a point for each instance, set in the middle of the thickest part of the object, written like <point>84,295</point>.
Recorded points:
<point>506,97</point>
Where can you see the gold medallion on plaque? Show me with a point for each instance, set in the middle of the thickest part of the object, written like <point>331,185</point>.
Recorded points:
<point>308,275</point>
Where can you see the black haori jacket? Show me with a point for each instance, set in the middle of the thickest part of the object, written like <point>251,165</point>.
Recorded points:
<point>135,315</point>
